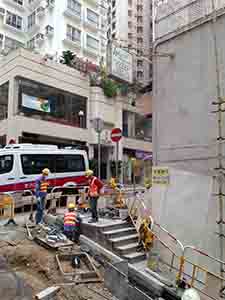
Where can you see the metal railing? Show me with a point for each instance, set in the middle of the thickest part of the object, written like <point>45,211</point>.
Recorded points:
<point>209,283</point>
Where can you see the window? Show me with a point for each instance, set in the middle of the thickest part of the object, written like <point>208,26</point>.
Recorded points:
<point>129,35</point>
<point>92,42</point>
<point>140,40</point>
<point>130,13</point>
<point>140,63</point>
<point>20,2</point>
<point>6,163</point>
<point>69,163</point>
<point>73,34</point>
<point>139,19</point>
<point>114,26</point>
<point>139,29</point>
<point>129,24</point>
<point>31,20</point>
<point>130,2</point>
<point>14,20</point>
<point>139,74</point>
<point>75,6</point>
<point>12,44</point>
<point>92,17</point>
<point>35,163</point>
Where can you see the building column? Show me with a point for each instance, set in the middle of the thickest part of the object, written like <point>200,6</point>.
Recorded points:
<point>13,131</point>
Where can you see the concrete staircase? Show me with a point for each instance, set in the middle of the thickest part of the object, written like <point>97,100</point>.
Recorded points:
<point>122,239</point>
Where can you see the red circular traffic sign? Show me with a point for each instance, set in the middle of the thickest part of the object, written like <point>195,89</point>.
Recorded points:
<point>116,135</point>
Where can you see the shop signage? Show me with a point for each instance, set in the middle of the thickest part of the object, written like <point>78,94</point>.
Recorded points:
<point>120,63</point>
<point>160,176</point>
<point>143,155</point>
<point>36,103</point>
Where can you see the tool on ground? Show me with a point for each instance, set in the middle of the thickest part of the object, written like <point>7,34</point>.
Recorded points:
<point>75,262</point>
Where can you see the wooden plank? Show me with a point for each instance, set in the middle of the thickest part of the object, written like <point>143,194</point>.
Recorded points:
<point>48,293</point>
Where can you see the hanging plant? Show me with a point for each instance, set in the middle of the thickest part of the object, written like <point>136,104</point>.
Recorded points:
<point>110,88</point>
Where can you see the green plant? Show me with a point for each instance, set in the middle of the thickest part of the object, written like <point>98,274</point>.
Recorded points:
<point>67,57</point>
<point>110,88</point>
<point>113,167</point>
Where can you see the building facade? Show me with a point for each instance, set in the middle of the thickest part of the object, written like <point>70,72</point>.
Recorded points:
<point>185,131</point>
<point>50,27</point>
<point>46,102</point>
<point>130,25</point>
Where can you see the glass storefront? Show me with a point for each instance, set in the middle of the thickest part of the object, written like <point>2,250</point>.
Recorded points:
<point>43,102</point>
<point>4,94</point>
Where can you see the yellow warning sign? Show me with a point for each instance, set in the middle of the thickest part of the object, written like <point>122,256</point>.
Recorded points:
<point>160,176</point>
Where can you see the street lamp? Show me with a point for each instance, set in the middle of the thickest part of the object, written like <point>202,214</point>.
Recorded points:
<point>81,115</point>
<point>98,125</point>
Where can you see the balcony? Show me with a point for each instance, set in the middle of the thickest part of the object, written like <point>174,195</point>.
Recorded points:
<point>72,43</point>
<point>32,4</point>
<point>76,15</point>
<point>18,4</point>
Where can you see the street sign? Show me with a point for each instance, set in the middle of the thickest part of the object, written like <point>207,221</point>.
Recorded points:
<point>116,135</point>
<point>191,294</point>
<point>98,125</point>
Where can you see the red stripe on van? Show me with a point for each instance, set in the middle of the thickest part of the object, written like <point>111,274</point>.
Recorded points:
<point>20,186</point>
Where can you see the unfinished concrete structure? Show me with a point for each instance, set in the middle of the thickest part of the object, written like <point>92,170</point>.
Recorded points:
<point>186,132</point>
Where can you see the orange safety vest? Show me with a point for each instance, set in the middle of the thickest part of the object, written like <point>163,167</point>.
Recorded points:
<point>93,190</point>
<point>44,186</point>
<point>70,218</point>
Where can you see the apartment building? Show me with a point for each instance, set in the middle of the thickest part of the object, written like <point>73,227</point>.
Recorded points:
<point>130,25</point>
<point>50,27</point>
<point>48,102</point>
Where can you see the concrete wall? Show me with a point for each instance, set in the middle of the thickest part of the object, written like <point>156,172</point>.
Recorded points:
<point>185,133</point>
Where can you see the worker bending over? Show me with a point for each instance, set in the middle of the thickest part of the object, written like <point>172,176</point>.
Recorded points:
<point>72,224</point>
<point>41,189</point>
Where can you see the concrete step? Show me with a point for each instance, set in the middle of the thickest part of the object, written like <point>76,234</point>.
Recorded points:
<point>135,257</point>
<point>116,226</point>
<point>124,240</point>
<point>119,232</point>
<point>127,249</point>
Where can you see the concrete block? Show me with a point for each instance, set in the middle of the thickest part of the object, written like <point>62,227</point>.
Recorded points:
<point>48,294</point>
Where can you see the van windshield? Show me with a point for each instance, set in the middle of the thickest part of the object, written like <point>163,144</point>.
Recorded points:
<point>6,163</point>
<point>56,163</point>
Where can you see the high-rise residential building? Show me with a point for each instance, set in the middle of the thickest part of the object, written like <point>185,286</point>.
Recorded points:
<point>129,25</point>
<point>51,26</point>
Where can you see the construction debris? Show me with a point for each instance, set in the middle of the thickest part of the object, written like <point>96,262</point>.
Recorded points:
<point>48,294</point>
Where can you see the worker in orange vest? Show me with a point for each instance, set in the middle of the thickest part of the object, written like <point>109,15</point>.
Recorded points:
<point>41,189</point>
<point>72,224</point>
<point>95,186</point>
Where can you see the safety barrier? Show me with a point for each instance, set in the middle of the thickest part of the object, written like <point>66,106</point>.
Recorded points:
<point>7,204</point>
<point>174,255</point>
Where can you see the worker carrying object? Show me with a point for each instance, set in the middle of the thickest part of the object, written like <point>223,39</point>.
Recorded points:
<point>72,224</point>
<point>95,186</point>
<point>41,189</point>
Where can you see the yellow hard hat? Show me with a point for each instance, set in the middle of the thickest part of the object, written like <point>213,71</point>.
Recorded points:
<point>89,173</point>
<point>71,205</point>
<point>45,171</point>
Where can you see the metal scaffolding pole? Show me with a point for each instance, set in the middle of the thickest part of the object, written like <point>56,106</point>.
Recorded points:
<point>220,139</point>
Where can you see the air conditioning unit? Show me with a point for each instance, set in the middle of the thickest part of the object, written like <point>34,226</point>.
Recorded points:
<point>49,30</point>
<point>2,11</point>
<point>39,38</point>
<point>40,11</point>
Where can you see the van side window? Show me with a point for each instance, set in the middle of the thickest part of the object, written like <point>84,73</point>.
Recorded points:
<point>70,163</point>
<point>6,163</point>
<point>35,163</point>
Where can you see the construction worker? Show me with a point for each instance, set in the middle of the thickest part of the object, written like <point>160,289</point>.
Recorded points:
<point>41,189</point>
<point>95,186</point>
<point>72,224</point>
<point>146,236</point>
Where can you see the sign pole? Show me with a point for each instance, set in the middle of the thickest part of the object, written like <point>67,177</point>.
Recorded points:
<point>117,160</point>
<point>99,155</point>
